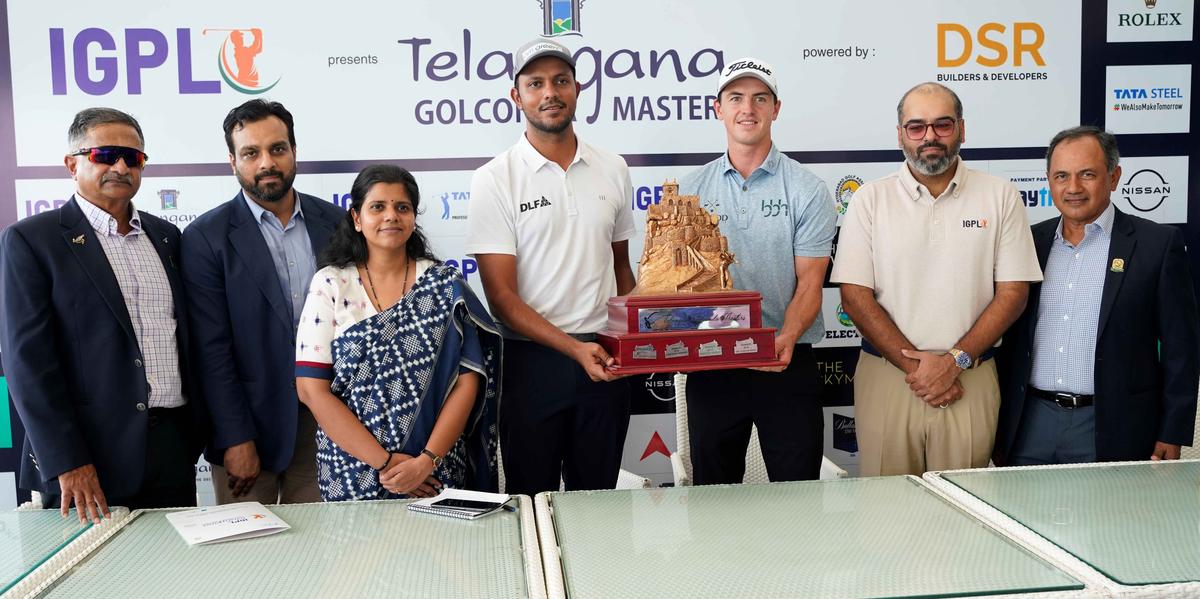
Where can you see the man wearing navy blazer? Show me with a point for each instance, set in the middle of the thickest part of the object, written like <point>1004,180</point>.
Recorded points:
<point>247,265</point>
<point>95,336</point>
<point>1103,364</point>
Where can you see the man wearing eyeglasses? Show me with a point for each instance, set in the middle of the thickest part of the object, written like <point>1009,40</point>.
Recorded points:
<point>779,219</point>
<point>95,336</point>
<point>934,263</point>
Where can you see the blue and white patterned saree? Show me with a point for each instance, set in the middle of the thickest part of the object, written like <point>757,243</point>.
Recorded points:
<point>395,370</point>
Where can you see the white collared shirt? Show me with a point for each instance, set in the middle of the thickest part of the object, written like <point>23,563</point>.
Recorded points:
<point>559,224</point>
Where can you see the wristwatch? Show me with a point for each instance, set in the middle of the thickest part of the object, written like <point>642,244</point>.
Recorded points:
<point>961,358</point>
<point>437,459</point>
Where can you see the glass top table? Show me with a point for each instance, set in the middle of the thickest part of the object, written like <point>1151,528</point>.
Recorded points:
<point>874,537</point>
<point>351,550</point>
<point>30,538</point>
<point>1136,523</point>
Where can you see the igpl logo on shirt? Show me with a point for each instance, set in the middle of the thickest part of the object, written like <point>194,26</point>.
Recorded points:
<point>975,224</point>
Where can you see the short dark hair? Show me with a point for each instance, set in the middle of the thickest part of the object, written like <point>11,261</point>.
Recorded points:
<point>925,87</point>
<point>253,111</point>
<point>348,246</point>
<point>89,118</point>
<point>1107,141</point>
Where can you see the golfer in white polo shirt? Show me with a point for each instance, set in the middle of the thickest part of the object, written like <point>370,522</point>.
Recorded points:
<point>549,224</point>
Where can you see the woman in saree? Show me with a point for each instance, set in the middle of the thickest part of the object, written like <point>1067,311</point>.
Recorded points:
<point>395,356</point>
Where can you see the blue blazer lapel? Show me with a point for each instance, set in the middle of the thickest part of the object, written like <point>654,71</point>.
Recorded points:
<point>1120,246</point>
<point>250,246</point>
<point>319,230</point>
<point>83,243</point>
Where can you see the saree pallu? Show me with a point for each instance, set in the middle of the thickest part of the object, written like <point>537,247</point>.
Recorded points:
<point>395,371</point>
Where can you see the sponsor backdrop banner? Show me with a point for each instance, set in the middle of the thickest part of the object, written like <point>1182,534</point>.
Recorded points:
<point>401,83</point>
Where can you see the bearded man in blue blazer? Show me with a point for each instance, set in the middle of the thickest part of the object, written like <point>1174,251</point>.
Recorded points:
<point>247,265</point>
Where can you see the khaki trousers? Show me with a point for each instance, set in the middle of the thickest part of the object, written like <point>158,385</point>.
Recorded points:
<point>296,484</point>
<point>900,434</point>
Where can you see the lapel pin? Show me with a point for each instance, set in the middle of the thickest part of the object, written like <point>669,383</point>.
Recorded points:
<point>78,240</point>
<point>1118,265</point>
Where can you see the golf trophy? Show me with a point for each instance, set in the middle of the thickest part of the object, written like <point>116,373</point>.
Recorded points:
<point>684,314</point>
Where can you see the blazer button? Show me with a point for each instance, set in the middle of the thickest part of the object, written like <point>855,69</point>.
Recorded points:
<point>137,362</point>
<point>141,406</point>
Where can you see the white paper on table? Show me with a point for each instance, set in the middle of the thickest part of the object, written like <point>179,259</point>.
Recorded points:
<point>231,522</point>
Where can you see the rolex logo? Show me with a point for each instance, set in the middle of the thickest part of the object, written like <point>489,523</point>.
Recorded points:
<point>1151,3</point>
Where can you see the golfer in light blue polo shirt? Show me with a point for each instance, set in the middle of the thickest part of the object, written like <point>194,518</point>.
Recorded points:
<point>780,220</point>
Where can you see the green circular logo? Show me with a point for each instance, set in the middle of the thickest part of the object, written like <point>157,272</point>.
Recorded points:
<point>844,318</point>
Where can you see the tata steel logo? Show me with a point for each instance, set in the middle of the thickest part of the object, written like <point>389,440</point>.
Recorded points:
<point>560,17</point>
<point>1151,93</point>
<point>1146,190</point>
<point>845,190</point>
<point>97,61</point>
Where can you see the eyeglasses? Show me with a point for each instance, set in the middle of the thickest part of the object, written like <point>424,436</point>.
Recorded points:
<point>941,128</point>
<point>133,157</point>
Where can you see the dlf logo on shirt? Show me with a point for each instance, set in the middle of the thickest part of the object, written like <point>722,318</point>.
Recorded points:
<point>527,206</point>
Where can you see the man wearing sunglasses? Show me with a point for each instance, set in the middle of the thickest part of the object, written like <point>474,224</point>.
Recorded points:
<point>95,336</point>
<point>934,263</point>
<point>247,266</point>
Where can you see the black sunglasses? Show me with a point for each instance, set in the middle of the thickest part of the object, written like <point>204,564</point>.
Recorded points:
<point>133,157</point>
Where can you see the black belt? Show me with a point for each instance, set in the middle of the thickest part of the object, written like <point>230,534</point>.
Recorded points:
<point>1066,400</point>
<point>987,355</point>
<point>158,415</point>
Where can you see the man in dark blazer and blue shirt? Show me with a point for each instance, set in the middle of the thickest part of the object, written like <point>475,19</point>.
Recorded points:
<point>95,336</point>
<point>247,266</point>
<point>1103,364</point>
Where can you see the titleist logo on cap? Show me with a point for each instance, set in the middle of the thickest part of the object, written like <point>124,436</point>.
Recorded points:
<point>537,48</point>
<point>747,64</point>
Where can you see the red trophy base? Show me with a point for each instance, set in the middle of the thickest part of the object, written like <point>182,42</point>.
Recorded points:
<point>687,332</point>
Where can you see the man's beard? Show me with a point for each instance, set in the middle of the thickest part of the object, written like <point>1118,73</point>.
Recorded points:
<point>548,126</point>
<point>272,192</point>
<point>935,166</point>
